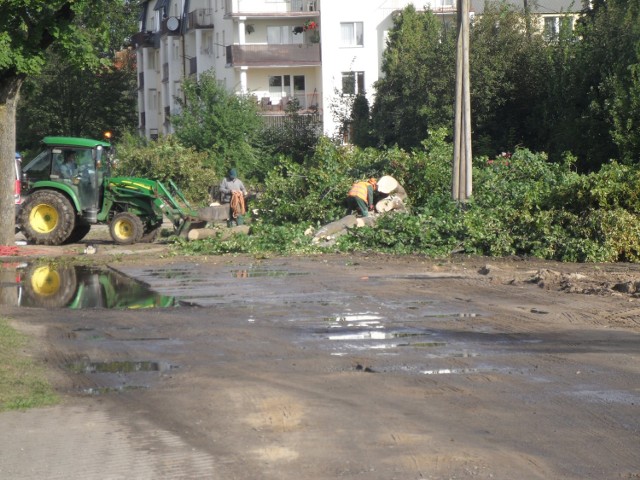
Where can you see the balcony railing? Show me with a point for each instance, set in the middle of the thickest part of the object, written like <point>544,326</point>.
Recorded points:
<point>146,39</point>
<point>310,103</point>
<point>292,7</point>
<point>200,18</point>
<point>273,55</point>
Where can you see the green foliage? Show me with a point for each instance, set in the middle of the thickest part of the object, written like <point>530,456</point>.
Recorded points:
<point>282,240</point>
<point>295,135</point>
<point>27,29</point>
<point>315,192</point>
<point>509,87</point>
<point>523,204</point>
<point>416,92</point>
<point>595,85</point>
<point>361,122</point>
<point>67,100</point>
<point>220,122</point>
<point>167,159</point>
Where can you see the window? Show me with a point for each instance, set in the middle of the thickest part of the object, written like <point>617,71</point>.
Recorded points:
<point>282,35</point>
<point>176,51</point>
<point>279,86</point>
<point>553,25</point>
<point>287,86</point>
<point>207,43</point>
<point>151,59</point>
<point>152,99</point>
<point>352,83</point>
<point>351,34</point>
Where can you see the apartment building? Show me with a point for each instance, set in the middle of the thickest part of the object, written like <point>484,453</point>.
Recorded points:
<point>312,51</point>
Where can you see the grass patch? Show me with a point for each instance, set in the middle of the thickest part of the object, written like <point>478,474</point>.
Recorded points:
<point>22,382</point>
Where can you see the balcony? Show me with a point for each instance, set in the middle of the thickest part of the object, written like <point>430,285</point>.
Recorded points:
<point>308,104</point>
<point>200,18</point>
<point>273,55</point>
<point>146,40</point>
<point>260,8</point>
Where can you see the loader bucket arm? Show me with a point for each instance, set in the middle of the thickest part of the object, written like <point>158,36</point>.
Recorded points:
<point>174,205</point>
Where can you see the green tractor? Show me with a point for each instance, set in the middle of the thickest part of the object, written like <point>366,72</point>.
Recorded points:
<point>68,187</point>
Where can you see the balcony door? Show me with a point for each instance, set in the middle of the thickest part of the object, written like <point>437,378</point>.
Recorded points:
<point>288,87</point>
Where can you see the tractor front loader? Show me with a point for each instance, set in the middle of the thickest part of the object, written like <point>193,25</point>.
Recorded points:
<point>135,209</point>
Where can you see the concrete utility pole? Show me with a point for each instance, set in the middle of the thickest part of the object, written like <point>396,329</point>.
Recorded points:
<point>461,185</point>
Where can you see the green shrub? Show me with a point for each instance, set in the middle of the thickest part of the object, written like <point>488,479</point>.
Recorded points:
<point>167,159</point>
<point>522,204</point>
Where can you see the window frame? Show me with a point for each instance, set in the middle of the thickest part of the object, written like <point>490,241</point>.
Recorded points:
<point>357,38</point>
<point>357,81</point>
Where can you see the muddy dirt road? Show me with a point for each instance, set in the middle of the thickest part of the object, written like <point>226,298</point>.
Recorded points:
<point>348,367</point>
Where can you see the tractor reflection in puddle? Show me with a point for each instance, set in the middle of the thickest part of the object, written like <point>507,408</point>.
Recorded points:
<point>76,287</point>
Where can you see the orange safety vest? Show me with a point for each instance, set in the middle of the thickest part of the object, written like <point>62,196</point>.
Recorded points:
<point>359,189</point>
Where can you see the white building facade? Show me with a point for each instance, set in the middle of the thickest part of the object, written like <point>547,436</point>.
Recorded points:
<point>274,50</point>
<point>312,51</point>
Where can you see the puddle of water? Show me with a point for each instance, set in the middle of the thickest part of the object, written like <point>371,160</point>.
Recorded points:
<point>76,287</point>
<point>450,371</point>
<point>609,396</point>
<point>107,390</point>
<point>124,366</point>
<point>264,272</point>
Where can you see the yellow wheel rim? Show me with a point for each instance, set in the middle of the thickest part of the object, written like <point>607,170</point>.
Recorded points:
<point>45,281</point>
<point>43,218</point>
<point>123,229</point>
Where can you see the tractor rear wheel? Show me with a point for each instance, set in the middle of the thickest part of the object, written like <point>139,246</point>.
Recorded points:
<point>47,218</point>
<point>48,286</point>
<point>126,228</point>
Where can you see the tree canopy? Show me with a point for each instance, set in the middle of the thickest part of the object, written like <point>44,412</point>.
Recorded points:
<point>415,93</point>
<point>577,91</point>
<point>215,120</point>
<point>28,28</point>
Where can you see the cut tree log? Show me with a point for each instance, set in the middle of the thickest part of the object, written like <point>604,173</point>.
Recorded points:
<point>328,234</point>
<point>333,227</point>
<point>391,203</point>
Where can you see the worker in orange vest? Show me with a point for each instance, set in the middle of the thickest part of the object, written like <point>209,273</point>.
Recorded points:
<point>360,196</point>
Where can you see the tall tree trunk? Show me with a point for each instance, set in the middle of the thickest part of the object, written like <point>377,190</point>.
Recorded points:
<point>9,95</point>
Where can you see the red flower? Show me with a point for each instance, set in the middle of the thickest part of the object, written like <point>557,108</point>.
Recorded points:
<point>310,25</point>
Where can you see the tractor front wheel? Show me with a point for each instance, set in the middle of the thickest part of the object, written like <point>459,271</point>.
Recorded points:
<point>47,218</point>
<point>126,228</point>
